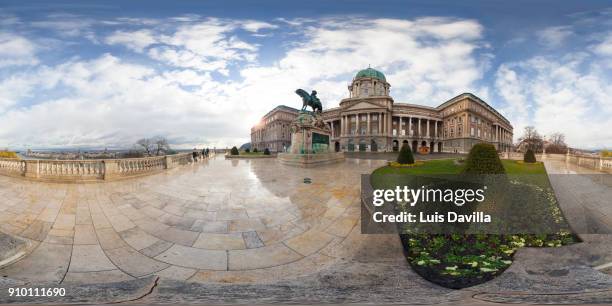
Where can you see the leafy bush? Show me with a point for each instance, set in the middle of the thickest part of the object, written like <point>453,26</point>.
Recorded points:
<point>255,150</point>
<point>247,150</point>
<point>405,155</point>
<point>7,154</point>
<point>529,156</point>
<point>266,152</point>
<point>483,159</point>
<point>234,151</point>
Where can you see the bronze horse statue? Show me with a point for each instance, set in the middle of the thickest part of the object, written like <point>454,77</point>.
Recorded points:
<point>310,100</point>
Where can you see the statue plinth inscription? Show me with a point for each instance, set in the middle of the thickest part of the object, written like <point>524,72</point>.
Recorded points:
<point>310,136</point>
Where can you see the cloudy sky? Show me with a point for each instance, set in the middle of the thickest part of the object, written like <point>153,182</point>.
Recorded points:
<point>76,74</point>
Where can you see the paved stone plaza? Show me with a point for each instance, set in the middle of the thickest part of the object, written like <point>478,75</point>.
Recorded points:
<point>225,231</point>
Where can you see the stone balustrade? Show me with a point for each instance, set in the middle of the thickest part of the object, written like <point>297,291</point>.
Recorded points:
<point>90,170</point>
<point>12,167</point>
<point>592,162</point>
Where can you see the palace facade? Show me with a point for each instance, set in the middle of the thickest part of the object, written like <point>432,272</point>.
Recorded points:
<point>369,120</point>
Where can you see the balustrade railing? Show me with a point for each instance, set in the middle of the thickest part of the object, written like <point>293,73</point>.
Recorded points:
<point>10,166</point>
<point>140,165</point>
<point>90,170</point>
<point>591,162</point>
<point>81,169</point>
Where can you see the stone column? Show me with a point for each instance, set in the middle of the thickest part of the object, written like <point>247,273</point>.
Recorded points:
<point>419,127</point>
<point>111,168</point>
<point>357,125</point>
<point>436,129</point>
<point>428,134</point>
<point>32,168</point>
<point>409,126</point>
<point>369,130</point>
<point>379,123</point>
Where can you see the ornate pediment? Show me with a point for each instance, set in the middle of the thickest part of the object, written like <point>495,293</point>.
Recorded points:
<point>362,105</point>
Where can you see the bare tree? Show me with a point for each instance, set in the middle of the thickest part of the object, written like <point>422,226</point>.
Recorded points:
<point>532,139</point>
<point>161,145</point>
<point>146,144</point>
<point>557,143</point>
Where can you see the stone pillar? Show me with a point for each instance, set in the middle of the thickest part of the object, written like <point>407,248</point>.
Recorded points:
<point>419,127</point>
<point>428,134</point>
<point>357,124</point>
<point>436,129</point>
<point>332,130</point>
<point>32,168</point>
<point>369,130</point>
<point>111,169</point>
<point>409,126</point>
<point>497,133</point>
<point>379,123</point>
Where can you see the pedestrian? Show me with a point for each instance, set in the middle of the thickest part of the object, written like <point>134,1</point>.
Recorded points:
<point>195,155</point>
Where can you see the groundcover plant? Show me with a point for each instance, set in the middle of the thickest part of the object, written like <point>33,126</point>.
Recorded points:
<point>458,260</point>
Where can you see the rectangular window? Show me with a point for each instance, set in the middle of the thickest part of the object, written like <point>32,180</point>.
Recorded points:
<point>472,131</point>
<point>478,132</point>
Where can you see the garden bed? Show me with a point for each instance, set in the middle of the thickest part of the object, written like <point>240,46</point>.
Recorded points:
<point>463,260</point>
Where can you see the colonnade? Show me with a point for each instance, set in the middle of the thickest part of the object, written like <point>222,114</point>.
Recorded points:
<point>382,124</point>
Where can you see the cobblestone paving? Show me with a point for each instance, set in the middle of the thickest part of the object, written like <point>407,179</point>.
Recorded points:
<point>216,221</point>
<point>248,231</point>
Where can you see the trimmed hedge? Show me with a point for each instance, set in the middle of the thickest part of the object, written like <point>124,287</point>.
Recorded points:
<point>247,150</point>
<point>266,152</point>
<point>529,156</point>
<point>234,151</point>
<point>405,155</point>
<point>255,150</point>
<point>483,159</point>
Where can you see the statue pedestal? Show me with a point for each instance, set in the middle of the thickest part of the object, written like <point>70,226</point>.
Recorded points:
<point>310,143</point>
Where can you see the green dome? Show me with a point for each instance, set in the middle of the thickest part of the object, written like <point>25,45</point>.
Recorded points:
<point>371,73</point>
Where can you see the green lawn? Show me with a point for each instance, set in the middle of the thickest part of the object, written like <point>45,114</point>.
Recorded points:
<point>251,153</point>
<point>448,166</point>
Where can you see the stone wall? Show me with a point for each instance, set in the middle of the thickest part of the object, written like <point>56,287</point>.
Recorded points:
<point>90,170</point>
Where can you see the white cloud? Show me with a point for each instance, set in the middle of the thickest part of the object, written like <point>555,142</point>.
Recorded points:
<point>605,46</point>
<point>568,95</point>
<point>554,36</point>
<point>135,40</point>
<point>16,50</point>
<point>113,101</point>
<point>256,26</point>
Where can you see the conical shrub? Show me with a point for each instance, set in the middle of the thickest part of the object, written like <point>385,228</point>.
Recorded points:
<point>234,151</point>
<point>529,156</point>
<point>405,155</point>
<point>483,159</point>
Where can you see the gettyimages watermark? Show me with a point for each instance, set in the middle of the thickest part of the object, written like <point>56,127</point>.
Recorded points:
<point>467,204</point>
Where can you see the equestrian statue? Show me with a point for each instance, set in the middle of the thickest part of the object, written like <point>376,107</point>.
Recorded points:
<point>310,100</point>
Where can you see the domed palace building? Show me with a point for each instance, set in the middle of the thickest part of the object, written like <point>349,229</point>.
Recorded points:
<point>369,120</point>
